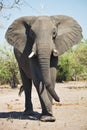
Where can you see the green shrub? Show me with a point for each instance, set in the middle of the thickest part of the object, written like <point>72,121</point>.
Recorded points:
<point>8,67</point>
<point>73,64</point>
<point>65,67</point>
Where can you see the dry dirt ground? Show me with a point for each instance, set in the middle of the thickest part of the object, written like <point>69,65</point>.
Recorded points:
<point>70,113</point>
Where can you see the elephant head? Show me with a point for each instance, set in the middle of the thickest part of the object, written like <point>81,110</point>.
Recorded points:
<point>43,36</point>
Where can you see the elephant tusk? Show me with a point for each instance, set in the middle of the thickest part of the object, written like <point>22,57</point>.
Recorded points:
<point>55,52</point>
<point>31,54</point>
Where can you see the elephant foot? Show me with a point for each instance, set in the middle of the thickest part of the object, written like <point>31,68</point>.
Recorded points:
<point>47,118</point>
<point>28,112</point>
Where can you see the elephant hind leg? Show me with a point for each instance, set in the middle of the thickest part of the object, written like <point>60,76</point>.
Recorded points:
<point>53,80</point>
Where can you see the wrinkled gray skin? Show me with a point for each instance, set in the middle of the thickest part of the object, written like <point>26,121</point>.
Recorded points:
<point>37,43</point>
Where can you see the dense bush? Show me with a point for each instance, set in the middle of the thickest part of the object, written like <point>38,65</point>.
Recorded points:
<point>73,64</point>
<point>8,67</point>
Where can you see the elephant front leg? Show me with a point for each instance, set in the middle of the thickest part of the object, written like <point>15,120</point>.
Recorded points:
<point>27,86</point>
<point>45,104</point>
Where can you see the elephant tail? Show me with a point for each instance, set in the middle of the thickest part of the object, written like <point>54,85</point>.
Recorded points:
<point>21,90</point>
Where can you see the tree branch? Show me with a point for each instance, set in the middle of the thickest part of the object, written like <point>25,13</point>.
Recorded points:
<point>14,4</point>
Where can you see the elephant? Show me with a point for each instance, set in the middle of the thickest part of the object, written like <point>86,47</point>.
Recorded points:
<point>38,42</point>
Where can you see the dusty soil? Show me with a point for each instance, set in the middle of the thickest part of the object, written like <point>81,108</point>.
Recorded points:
<point>70,113</point>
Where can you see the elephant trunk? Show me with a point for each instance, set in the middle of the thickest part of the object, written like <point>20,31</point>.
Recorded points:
<point>44,61</point>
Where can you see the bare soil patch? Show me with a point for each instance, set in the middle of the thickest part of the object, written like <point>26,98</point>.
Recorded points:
<point>70,113</point>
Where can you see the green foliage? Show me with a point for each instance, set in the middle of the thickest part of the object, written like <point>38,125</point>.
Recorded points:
<point>73,64</point>
<point>8,66</point>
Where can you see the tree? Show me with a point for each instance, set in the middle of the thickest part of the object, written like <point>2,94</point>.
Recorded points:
<point>9,4</point>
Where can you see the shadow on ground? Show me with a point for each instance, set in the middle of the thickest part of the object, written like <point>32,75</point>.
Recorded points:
<point>19,115</point>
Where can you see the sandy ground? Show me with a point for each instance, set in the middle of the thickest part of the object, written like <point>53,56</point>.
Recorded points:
<point>70,114</point>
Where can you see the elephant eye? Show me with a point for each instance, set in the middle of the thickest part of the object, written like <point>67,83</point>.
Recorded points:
<point>54,34</point>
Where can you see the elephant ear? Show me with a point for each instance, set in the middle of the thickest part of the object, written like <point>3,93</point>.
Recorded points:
<point>17,33</point>
<point>69,32</point>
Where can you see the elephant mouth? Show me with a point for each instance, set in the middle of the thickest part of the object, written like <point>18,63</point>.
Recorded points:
<point>34,51</point>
